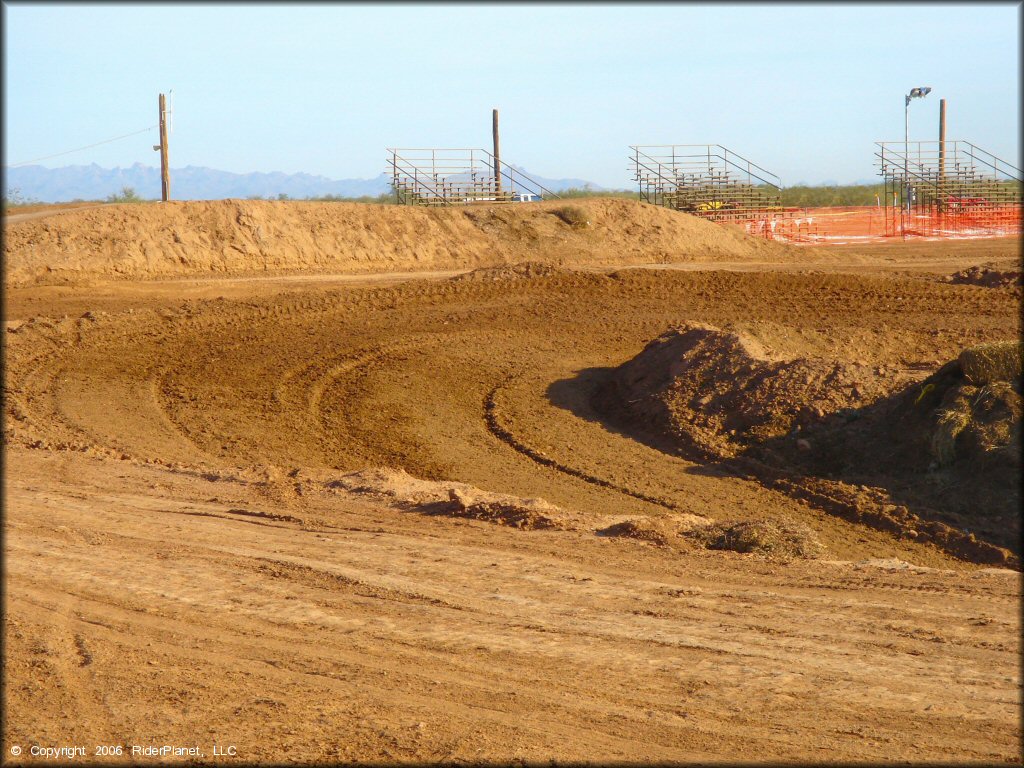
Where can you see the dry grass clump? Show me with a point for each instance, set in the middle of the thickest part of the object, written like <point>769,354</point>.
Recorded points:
<point>979,415</point>
<point>784,540</point>
<point>951,422</point>
<point>573,215</point>
<point>997,361</point>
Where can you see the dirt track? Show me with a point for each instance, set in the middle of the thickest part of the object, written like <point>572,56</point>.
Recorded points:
<point>181,569</point>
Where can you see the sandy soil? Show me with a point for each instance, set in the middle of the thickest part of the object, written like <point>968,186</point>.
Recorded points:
<point>260,237</point>
<point>186,563</point>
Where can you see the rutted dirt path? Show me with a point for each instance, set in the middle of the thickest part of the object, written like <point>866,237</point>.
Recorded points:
<point>359,632</point>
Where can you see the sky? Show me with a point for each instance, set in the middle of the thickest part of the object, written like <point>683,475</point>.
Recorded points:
<point>803,90</point>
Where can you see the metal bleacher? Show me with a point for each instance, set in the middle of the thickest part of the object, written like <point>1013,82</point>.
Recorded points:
<point>458,176</point>
<point>706,180</point>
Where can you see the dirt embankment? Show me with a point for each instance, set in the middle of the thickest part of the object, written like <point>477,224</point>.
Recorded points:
<point>247,237</point>
<point>988,277</point>
<point>936,460</point>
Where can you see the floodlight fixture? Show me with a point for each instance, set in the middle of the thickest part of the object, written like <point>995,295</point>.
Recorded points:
<point>918,93</point>
<point>915,93</point>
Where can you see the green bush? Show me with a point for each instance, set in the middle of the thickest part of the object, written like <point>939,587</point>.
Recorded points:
<point>804,196</point>
<point>13,198</point>
<point>385,198</point>
<point>576,192</point>
<point>127,195</point>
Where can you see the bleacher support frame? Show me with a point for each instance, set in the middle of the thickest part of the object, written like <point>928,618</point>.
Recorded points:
<point>948,189</point>
<point>706,180</point>
<point>439,176</point>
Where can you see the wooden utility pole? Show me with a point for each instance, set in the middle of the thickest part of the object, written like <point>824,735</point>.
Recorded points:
<point>497,154</point>
<point>165,169</point>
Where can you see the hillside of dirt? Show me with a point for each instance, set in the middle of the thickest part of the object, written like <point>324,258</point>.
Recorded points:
<point>935,460</point>
<point>245,237</point>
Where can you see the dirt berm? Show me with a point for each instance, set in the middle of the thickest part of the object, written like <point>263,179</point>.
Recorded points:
<point>247,237</point>
<point>936,460</point>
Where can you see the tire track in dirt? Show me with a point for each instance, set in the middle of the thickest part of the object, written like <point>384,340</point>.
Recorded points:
<point>309,360</point>
<point>626,636</point>
<point>492,419</point>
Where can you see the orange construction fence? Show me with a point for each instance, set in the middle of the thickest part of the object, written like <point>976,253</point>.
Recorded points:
<point>860,224</point>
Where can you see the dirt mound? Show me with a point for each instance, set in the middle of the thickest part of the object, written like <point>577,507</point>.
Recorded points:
<point>523,271</point>
<point>947,448</point>
<point>657,532</point>
<point>965,417</point>
<point>985,276</point>
<point>455,499</point>
<point>720,392</point>
<point>935,461</point>
<point>247,237</point>
<point>503,509</point>
<point>774,539</point>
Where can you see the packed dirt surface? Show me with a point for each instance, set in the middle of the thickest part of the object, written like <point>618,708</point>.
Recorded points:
<point>323,518</point>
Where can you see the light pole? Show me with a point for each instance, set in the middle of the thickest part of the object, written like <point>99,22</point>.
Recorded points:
<point>915,93</point>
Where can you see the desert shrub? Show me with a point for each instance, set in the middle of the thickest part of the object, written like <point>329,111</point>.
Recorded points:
<point>573,215</point>
<point>997,361</point>
<point>578,192</point>
<point>978,423</point>
<point>765,537</point>
<point>805,196</point>
<point>14,198</point>
<point>126,195</point>
<point>385,198</point>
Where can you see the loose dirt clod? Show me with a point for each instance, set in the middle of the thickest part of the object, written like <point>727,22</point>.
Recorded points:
<point>455,499</point>
<point>527,514</point>
<point>640,528</point>
<point>985,276</point>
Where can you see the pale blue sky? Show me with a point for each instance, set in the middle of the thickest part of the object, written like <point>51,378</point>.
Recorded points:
<point>803,90</point>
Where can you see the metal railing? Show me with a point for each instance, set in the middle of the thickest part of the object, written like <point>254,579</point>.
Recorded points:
<point>955,183</point>
<point>458,176</point>
<point>708,180</point>
<point>931,171</point>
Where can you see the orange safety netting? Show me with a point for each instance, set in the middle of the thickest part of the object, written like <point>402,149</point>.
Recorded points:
<point>860,224</point>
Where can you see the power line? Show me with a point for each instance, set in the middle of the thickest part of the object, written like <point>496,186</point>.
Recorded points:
<point>90,146</point>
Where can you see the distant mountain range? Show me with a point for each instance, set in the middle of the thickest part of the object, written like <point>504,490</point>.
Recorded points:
<point>91,182</point>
